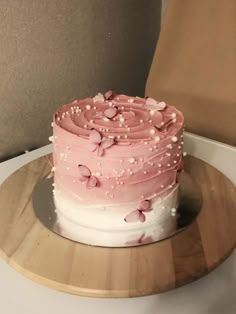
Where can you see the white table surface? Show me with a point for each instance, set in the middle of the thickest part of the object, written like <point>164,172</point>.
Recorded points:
<point>212,294</point>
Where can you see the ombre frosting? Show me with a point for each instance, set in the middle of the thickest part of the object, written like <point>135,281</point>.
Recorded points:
<point>111,153</point>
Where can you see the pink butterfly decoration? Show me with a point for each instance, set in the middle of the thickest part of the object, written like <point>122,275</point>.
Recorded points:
<point>152,104</point>
<point>108,94</point>
<point>137,214</point>
<point>111,112</point>
<point>99,97</point>
<point>99,143</point>
<point>86,176</point>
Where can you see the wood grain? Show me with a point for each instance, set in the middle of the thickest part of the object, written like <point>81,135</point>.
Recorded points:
<point>76,268</point>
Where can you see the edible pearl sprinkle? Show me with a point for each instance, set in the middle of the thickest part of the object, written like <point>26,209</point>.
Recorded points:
<point>145,143</point>
<point>178,155</point>
<point>105,119</point>
<point>162,186</point>
<point>122,108</point>
<point>168,165</point>
<point>94,107</point>
<point>157,138</point>
<point>179,147</point>
<point>174,120</point>
<point>174,139</point>
<point>126,136</point>
<point>150,121</point>
<point>159,165</point>
<point>141,121</point>
<point>173,115</point>
<point>58,119</point>
<point>112,187</point>
<point>88,107</point>
<point>110,104</point>
<point>91,121</point>
<point>181,136</point>
<point>152,112</point>
<point>182,143</point>
<point>152,131</point>
<point>52,124</point>
<point>175,162</point>
<point>168,154</point>
<point>145,172</point>
<point>173,214</point>
<point>85,126</point>
<point>151,149</point>
<point>184,154</point>
<point>51,138</point>
<point>130,100</point>
<point>141,158</point>
<point>173,210</point>
<point>132,160</point>
<point>122,119</point>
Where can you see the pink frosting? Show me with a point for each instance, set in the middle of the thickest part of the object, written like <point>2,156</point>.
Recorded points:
<point>142,164</point>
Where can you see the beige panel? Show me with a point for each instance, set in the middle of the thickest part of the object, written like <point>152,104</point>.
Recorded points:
<point>55,51</point>
<point>194,66</point>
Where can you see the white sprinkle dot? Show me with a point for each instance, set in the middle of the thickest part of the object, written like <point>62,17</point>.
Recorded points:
<point>94,107</point>
<point>168,154</point>
<point>184,154</point>
<point>130,100</point>
<point>126,136</point>
<point>132,160</point>
<point>182,143</point>
<point>150,121</point>
<point>159,165</point>
<point>52,124</point>
<point>121,160</point>
<point>88,107</point>
<point>175,162</point>
<point>145,172</point>
<point>162,186</point>
<point>157,138</point>
<point>141,121</point>
<point>122,108</point>
<point>141,158</point>
<point>151,149</point>
<point>174,139</point>
<point>122,119</point>
<point>112,187</point>
<point>145,143</point>
<point>91,121</point>
<point>142,196</point>
<point>173,214</point>
<point>152,112</point>
<point>173,115</point>
<point>168,165</point>
<point>173,210</point>
<point>106,119</point>
<point>152,131</point>
<point>85,126</point>
<point>51,138</point>
<point>121,182</point>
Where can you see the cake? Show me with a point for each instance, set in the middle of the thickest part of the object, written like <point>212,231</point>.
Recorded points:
<point>116,166</point>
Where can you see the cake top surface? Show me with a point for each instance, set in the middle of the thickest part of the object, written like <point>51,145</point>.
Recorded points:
<point>125,120</point>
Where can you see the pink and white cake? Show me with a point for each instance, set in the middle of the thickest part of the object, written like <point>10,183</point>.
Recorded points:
<point>116,165</point>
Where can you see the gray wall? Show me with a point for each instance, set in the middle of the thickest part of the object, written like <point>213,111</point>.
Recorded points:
<point>53,51</point>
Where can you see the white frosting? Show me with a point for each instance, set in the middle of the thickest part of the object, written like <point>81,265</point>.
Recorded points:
<point>104,225</point>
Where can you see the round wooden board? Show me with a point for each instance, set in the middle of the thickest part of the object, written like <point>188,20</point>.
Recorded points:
<point>75,268</point>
